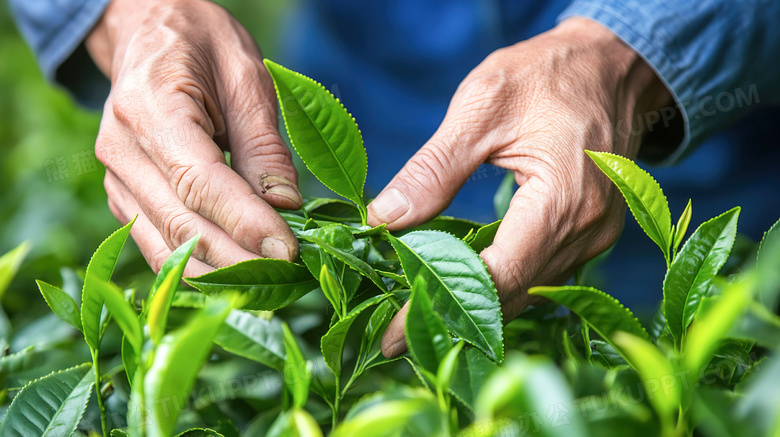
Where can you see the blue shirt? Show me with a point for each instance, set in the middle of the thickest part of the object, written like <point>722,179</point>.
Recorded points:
<point>396,63</point>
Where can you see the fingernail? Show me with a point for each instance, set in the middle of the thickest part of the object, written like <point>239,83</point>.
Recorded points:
<point>272,247</point>
<point>280,186</point>
<point>389,206</point>
<point>394,349</point>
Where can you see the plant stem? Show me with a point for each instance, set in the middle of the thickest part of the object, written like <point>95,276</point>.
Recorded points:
<point>586,339</point>
<point>100,400</point>
<point>336,402</point>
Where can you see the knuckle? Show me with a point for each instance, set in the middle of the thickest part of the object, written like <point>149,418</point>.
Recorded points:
<point>426,169</point>
<point>178,227</point>
<point>191,184</point>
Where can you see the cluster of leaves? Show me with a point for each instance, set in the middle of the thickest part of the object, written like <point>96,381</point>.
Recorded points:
<point>614,375</point>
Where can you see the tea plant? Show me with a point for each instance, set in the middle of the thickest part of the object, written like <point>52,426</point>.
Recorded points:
<point>455,379</point>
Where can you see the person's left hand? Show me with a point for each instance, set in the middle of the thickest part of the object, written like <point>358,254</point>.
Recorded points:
<point>533,108</point>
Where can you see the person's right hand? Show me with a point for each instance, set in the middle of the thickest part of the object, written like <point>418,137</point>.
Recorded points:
<point>187,83</point>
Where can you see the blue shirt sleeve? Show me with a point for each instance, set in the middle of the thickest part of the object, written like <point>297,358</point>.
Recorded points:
<point>55,30</point>
<point>719,58</point>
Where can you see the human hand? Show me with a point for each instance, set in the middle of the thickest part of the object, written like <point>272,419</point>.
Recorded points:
<point>187,83</point>
<point>533,108</point>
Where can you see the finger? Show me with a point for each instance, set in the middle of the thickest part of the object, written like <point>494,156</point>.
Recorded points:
<point>394,338</point>
<point>258,153</point>
<point>426,185</point>
<point>172,221</point>
<point>149,241</point>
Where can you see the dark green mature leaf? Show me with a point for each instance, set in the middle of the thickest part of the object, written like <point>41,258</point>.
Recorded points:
<point>51,406</point>
<point>61,304</point>
<point>323,133</point>
<point>265,283</point>
<point>769,235</point>
<point>653,367</point>
<point>177,360</point>
<point>256,338</point>
<point>426,335</point>
<point>123,313</point>
<point>9,265</point>
<point>164,287</point>
<point>296,373</point>
<point>332,343</point>
<point>334,210</point>
<point>682,226</point>
<point>99,269</point>
<point>689,276</point>
<point>484,236</point>
<point>603,352</point>
<point>602,312</point>
<point>459,286</point>
<point>471,374</point>
<point>504,194</point>
<point>643,196</point>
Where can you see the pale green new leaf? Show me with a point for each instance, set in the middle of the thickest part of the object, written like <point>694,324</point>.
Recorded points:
<point>332,343</point>
<point>177,360</point>
<point>10,263</point>
<point>653,368</point>
<point>426,335</point>
<point>504,194</point>
<point>447,367</point>
<point>51,406</point>
<point>459,287</point>
<point>484,236</point>
<point>689,276</point>
<point>252,337</point>
<point>161,296</point>
<point>643,195</point>
<point>347,258</point>
<point>296,373</point>
<point>714,325</point>
<point>392,413</point>
<point>682,226</point>
<point>61,304</point>
<point>331,289</point>
<point>294,423</point>
<point>323,133</point>
<point>99,269</point>
<point>123,313</point>
<point>601,311</point>
<point>263,284</point>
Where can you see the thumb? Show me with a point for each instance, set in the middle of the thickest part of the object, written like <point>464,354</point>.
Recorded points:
<point>426,185</point>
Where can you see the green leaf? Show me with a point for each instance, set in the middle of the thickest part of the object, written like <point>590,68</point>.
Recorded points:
<point>643,196</point>
<point>484,236</point>
<point>177,360</point>
<point>264,283</point>
<point>530,384</point>
<point>118,433</point>
<point>471,374</point>
<point>455,226</point>
<point>10,263</point>
<point>653,369</point>
<point>123,313</point>
<point>199,432</point>
<point>769,235</point>
<point>323,133</point>
<point>332,343</point>
<point>601,311</point>
<point>426,335</point>
<point>689,276</point>
<point>715,324</point>
<point>447,367</point>
<point>682,226</point>
<point>161,296</point>
<point>606,354</point>
<point>252,337</point>
<point>294,423</point>
<point>331,289</point>
<point>296,373</point>
<point>51,406</point>
<point>375,328</point>
<point>399,412</point>
<point>758,324</point>
<point>334,210</point>
<point>61,304</point>
<point>347,258</point>
<point>504,194</point>
<point>459,287</point>
<point>189,299</point>
<point>99,270</point>
<point>129,359</point>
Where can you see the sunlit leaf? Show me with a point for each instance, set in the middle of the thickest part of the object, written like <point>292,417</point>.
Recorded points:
<point>296,373</point>
<point>61,304</point>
